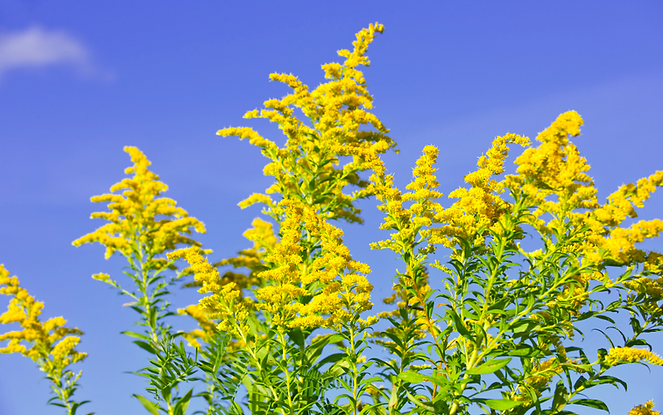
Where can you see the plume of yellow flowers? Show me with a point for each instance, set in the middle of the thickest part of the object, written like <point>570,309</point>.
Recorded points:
<point>651,291</point>
<point>49,344</point>
<point>409,222</point>
<point>225,303</point>
<point>619,355</point>
<point>645,409</point>
<point>207,327</point>
<point>336,111</point>
<point>300,291</point>
<point>480,206</point>
<point>264,239</point>
<point>135,226</point>
<point>610,243</point>
<point>553,178</point>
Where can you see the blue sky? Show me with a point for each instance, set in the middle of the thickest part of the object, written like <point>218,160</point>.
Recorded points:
<point>81,80</point>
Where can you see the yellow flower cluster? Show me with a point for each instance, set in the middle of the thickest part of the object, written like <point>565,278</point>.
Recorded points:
<point>337,112</point>
<point>651,289</point>
<point>555,164</point>
<point>480,206</point>
<point>645,409</point>
<point>607,241</point>
<point>554,168</point>
<point>134,216</point>
<point>619,355</point>
<point>264,239</point>
<point>208,328</point>
<point>49,343</point>
<point>543,373</point>
<point>225,303</point>
<point>331,280</point>
<point>408,221</point>
<point>553,178</point>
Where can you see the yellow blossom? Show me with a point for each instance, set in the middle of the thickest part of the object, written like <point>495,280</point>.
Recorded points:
<point>645,409</point>
<point>49,344</point>
<point>134,216</point>
<point>480,206</point>
<point>337,124</point>
<point>619,355</point>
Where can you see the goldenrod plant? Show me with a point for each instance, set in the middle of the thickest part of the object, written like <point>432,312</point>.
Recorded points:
<point>142,227</point>
<point>492,295</point>
<point>49,344</point>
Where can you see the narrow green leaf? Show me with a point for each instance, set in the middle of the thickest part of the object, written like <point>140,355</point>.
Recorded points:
<point>501,404</point>
<point>152,408</point>
<point>523,352</point>
<point>145,346</point>
<point>183,403</point>
<point>609,379</point>
<point>412,377</point>
<point>591,403</point>
<point>489,367</point>
<point>333,358</point>
<point>136,335</point>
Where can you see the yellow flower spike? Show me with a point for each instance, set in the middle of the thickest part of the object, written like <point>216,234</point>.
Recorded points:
<point>48,344</point>
<point>225,303</point>
<point>645,409</point>
<point>477,207</point>
<point>135,213</point>
<point>208,326</point>
<point>101,277</point>
<point>336,111</point>
<point>620,355</point>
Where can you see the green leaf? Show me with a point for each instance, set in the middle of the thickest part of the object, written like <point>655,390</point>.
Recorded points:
<point>152,408</point>
<point>145,346</point>
<point>523,352</point>
<point>591,403</point>
<point>333,358</point>
<point>297,337</point>
<point>183,403</point>
<point>501,404</point>
<point>458,324</point>
<point>136,335</point>
<point>489,367</point>
<point>412,377</point>
<point>393,398</point>
<point>609,379</point>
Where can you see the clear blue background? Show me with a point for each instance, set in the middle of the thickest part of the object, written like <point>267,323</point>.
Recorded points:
<point>165,76</point>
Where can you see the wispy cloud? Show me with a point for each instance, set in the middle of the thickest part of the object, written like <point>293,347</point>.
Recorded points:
<point>37,47</point>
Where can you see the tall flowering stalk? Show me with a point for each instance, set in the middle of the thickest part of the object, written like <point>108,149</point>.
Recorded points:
<point>142,227</point>
<point>49,344</point>
<point>307,279</point>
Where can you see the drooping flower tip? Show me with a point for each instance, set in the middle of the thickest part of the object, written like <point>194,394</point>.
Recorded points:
<point>619,355</point>
<point>101,277</point>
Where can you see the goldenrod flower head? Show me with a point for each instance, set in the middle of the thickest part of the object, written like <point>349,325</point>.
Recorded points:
<point>134,215</point>
<point>336,126</point>
<point>208,326</point>
<point>543,372</point>
<point>48,343</point>
<point>645,409</point>
<point>548,164</point>
<point>101,277</point>
<point>331,280</point>
<point>608,242</point>
<point>620,355</point>
<point>480,206</point>
<point>225,304</point>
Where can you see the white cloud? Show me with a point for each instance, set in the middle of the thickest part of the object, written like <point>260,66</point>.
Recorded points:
<point>36,47</point>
